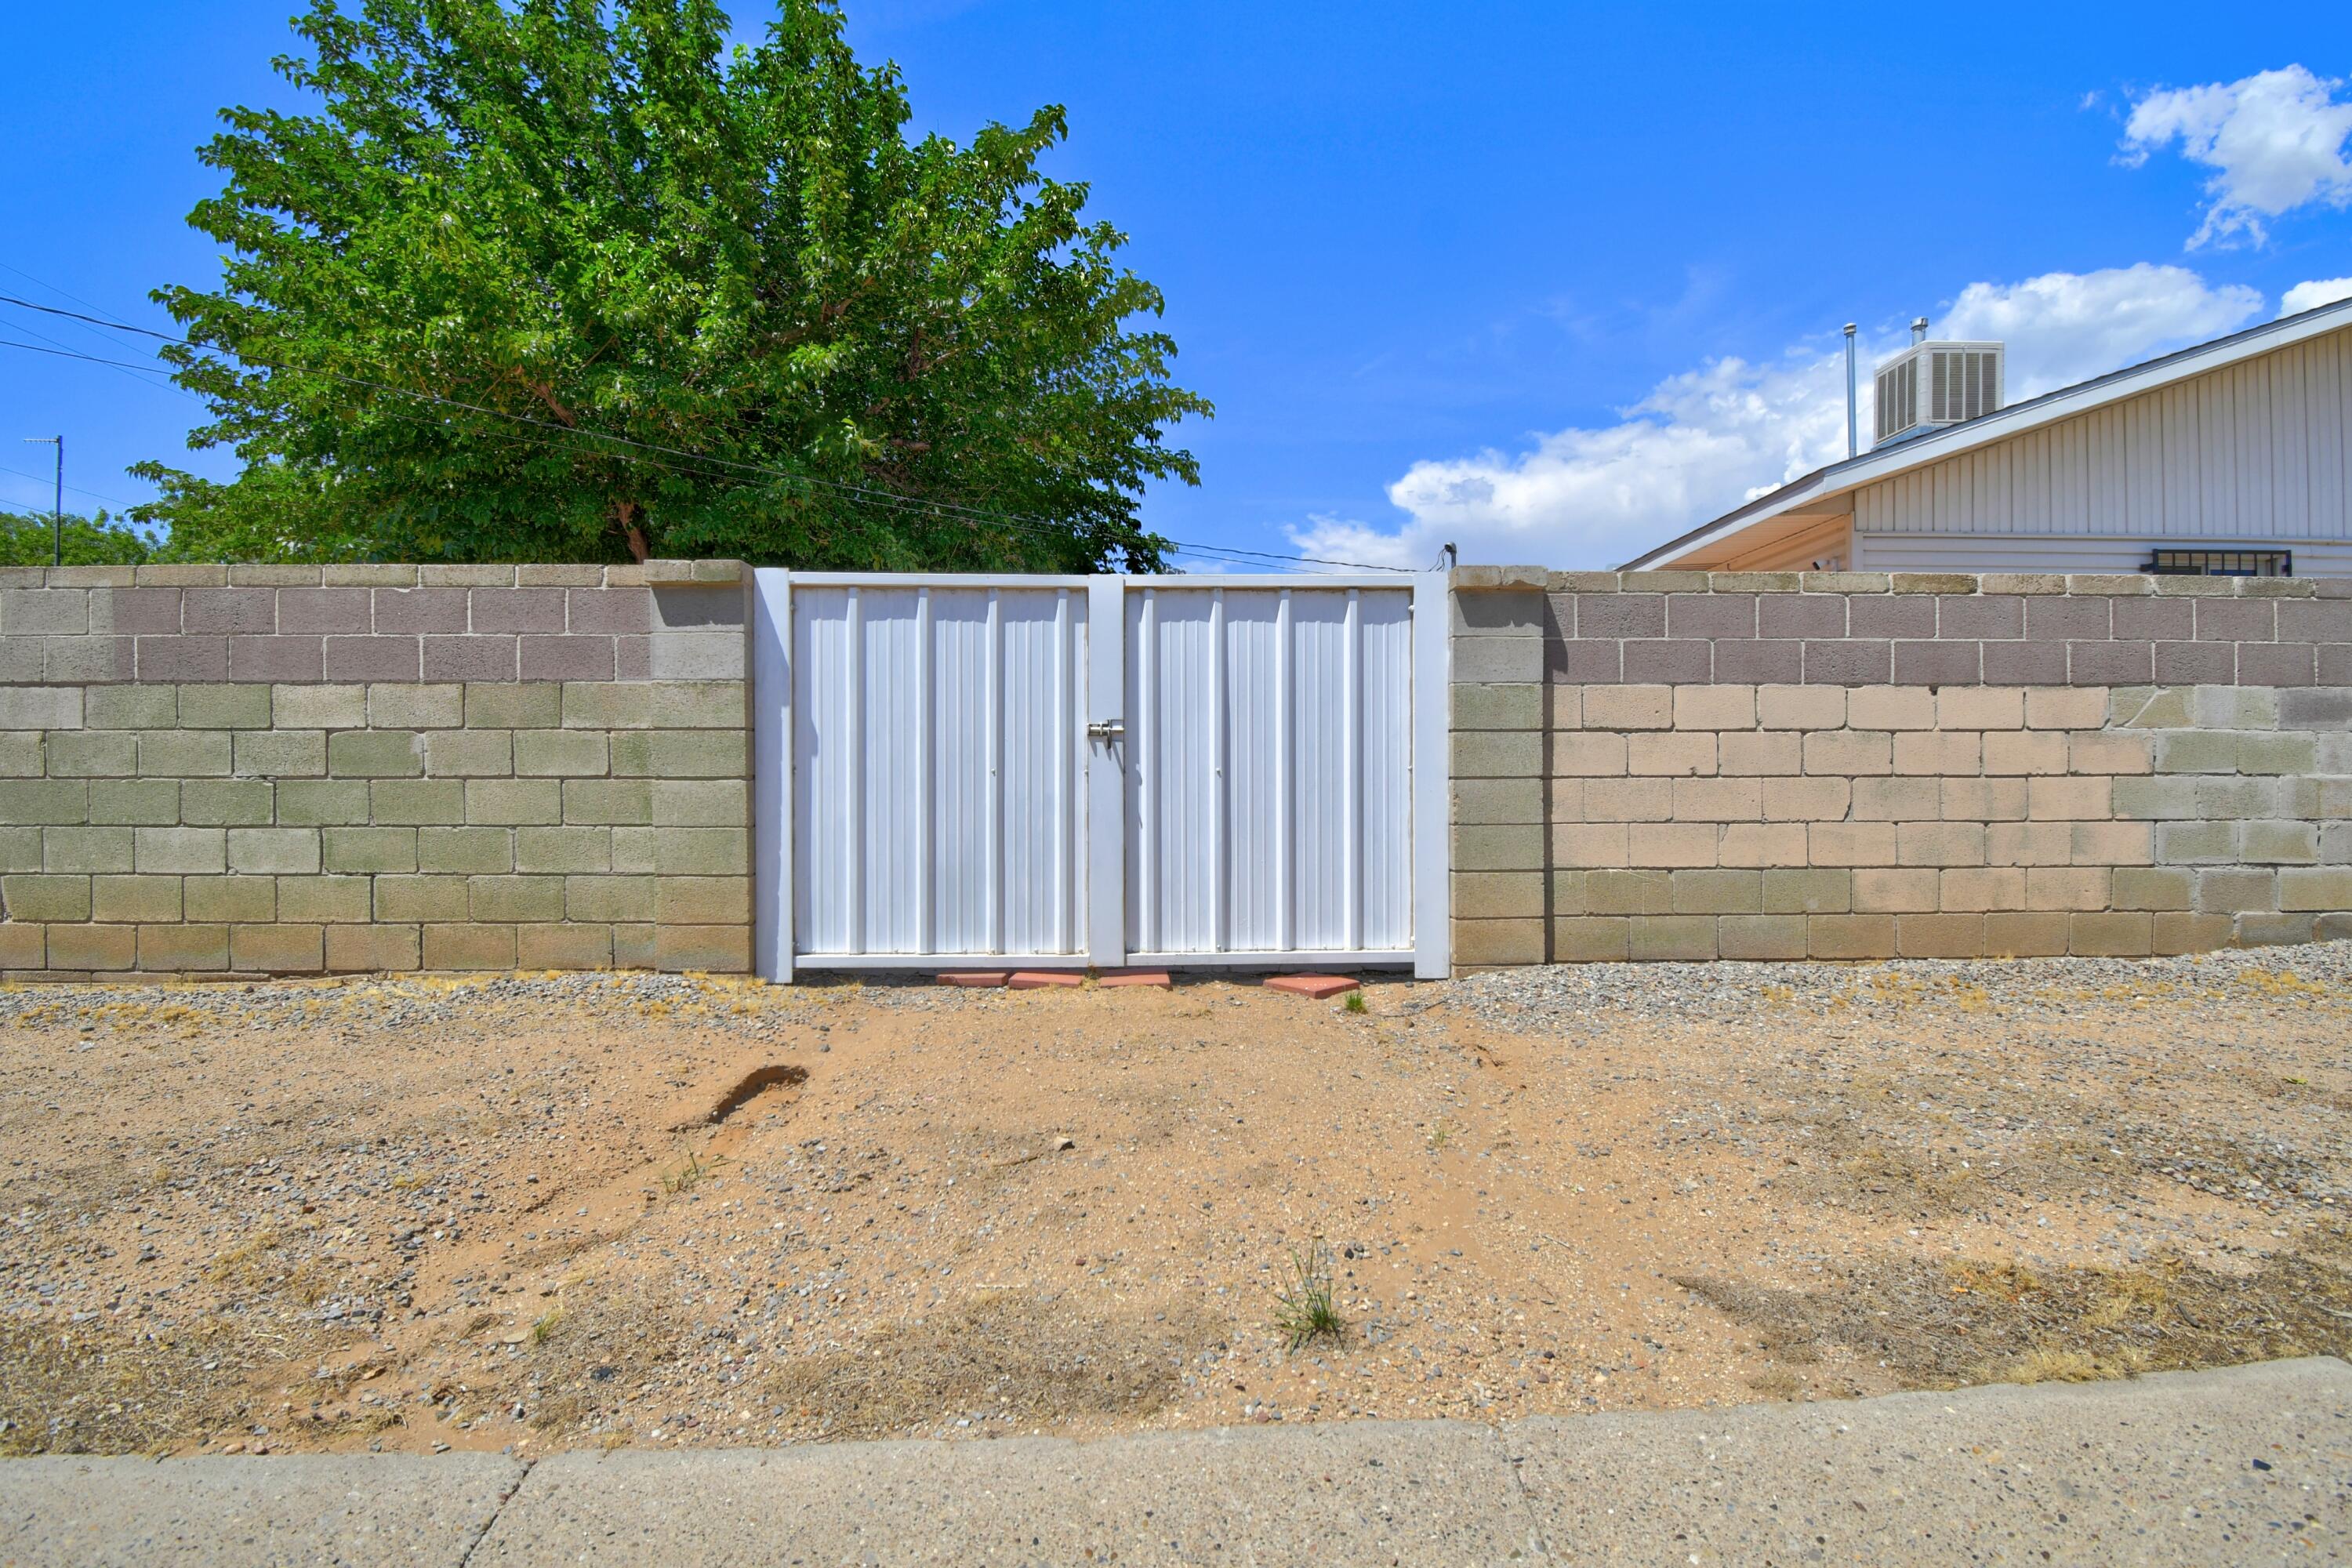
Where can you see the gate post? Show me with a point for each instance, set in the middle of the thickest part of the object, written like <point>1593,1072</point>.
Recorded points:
<point>1106,704</point>
<point>771,773</point>
<point>1433,771</point>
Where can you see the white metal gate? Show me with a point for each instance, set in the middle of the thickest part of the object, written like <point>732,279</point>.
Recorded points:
<point>1066,771</point>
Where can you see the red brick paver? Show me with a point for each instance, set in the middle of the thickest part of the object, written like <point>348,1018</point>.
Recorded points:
<point>972,977</point>
<point>1039,979</point>
<point>1316,986</point>
<point>1159,977</point>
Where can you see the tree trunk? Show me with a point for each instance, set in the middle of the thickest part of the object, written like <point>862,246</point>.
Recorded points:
<point>624,512</point>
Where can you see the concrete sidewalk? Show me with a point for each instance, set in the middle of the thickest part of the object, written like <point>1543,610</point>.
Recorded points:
<point>2246,1466</point>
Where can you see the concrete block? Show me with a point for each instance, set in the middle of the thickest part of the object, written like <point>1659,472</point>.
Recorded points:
<point>1891,708</point>
<point>274,851</point>
<point>1897,799</point>
<point>1850,754</point>
<point>35,803</point>
<point>2152,888</point>
<point>368,849</point>
<point>703,852</point>
<point>1849,936</point>
<point>1623,708</point>
<point>1822,799</point>
<point>402,897</point>
<point>2314,887</point>
<point>2169,798</point>
<point>212,706</point>
<point>227,802</point>
<point>701,803</point>
<point>1939,753</point>
<point>279,753</point>
<point>1622,800</point>
<point>376,754</point>
<point>2109,752</point>
<point>2069,888</point>
<point>1579,754</point>
<point>86,849</point>
<point>1939,935</point>
<point>321,802</point>
<point>2016,934</point>
<point>702,900</point>
<point>1588,939</point>
<point>325,901</point>
<point>1628,892</point>
<point>1980,889</point>
<point>538,706</point>
<point>93,949</point>
<point>1718,800</point>
<point>2055,799</point>
<point>128,900</point>
<point>376,948</point>
<point>600,802</point>
<point>1717,891</point>
<point>2280,843</point>
<point>1801,707</point>
<point>513,803</point>
<point>2196,842</point>
<point>2024,751</point>
<point>2117,933</point>
<point>1670,755</point>
<point>706,754</point>
<point>1850,844</point>
<point>1811,891</point>
<point>470,754</point>
<point>2196,752</point>
<point>22,754</point>
<point>1762,844</point>
<point>569,754</point>
<point>1480,801</point>
<point>132,707</point>
<point>2286,752</point>
<point>1498,895</point>
<point>1490,943</point>
<point>1477,753</point>
<point>1759,754</point>
<point>518,899</point>
<point>2028,844</point>
<point>2254,929</point>
<point>608,899</point>
<point>183,754</point>
<point>1654,939</point>
<point>193,851</point>
<point>1885,890</point>
<point>229,898</point>
<point>564,946</point>
<point>2175,932</point>
<point>1517,848</point>
<point>1514,707</point>
<point>91,753</point>
<point>1980,708</point>
<point>464,946</point>
<point>466,851</point>
<point>1578,845</point>
<point>606,705</point>
<point>716,949</point>
<point>1674,844</point>
<point>1761,939</point>
<point>277,949</point>
<point>1714,707</point>
<point>2111,843</point>
<point>175,948</point>
<point>37,896</point>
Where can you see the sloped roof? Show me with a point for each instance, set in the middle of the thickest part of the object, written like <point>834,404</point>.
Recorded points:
<point>2016,419</point>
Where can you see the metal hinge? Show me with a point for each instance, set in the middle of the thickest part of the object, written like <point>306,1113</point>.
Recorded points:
<point>1106,729</point>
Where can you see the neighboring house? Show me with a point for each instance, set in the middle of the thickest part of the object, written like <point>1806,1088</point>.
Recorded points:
<point>2227,458</point>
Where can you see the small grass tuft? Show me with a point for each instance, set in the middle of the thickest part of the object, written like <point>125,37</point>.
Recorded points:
<point>1306,1311</point>
<point>1355,1002</point>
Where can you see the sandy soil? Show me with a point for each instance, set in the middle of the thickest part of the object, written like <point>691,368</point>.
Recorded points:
<point>541,1212</point>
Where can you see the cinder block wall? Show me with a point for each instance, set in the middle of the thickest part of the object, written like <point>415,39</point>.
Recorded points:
<point>1692,766</point>
<point>219,769</point>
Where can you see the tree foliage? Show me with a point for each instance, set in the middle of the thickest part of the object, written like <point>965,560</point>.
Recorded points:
<point>518,236</point>
<point>29,539</point>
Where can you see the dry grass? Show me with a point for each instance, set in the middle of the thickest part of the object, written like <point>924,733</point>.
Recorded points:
<point>93,1389</point>
<point>1939,1325</point>
<point>1019,1362</point>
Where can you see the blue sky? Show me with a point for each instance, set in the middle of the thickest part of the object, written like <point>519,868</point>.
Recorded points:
<point>1552,282</point>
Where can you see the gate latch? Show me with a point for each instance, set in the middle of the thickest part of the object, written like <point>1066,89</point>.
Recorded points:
<point>1106,729</point>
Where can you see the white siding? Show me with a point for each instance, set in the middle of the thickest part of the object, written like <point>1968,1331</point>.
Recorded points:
<point>2251,451</point>
<point>2051,552</point>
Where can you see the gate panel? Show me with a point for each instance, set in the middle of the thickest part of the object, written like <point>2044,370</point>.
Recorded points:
<point>1269,800</point>
<point>948,769</point>
<point>935,750</point>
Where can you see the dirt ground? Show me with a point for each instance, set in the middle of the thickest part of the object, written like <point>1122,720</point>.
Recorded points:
<point>540,1212</point>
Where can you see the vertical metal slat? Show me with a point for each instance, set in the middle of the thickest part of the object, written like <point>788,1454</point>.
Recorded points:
<point>1147,764</point>
<point>926,897</point>
<point>1351,853</point>
<point>854,862</point>
<point>1285,870</point>
<point>1064,738</point>
<point>1219,873</point>
<point>995,883</point>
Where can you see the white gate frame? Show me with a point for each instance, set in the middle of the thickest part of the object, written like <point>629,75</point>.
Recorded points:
<point>1105,937</point>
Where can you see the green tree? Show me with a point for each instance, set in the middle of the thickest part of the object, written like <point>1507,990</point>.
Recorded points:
<point>29,539</point>
<point>591,215</point>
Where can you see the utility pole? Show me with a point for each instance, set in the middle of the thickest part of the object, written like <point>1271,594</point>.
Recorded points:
<point>57,506</point>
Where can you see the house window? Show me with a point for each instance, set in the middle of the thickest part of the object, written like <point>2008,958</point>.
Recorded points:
<point>2221,563</point>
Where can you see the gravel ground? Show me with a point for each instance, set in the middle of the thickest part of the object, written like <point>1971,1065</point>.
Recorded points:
<point>533,1212</point>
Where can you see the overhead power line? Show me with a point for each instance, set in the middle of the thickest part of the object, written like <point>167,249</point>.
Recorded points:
<point>955,511</point>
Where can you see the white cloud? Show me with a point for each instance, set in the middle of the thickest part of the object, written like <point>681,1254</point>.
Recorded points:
<point>1707,439</point>
<point>2275,140</point>
<point>2312,295</point>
